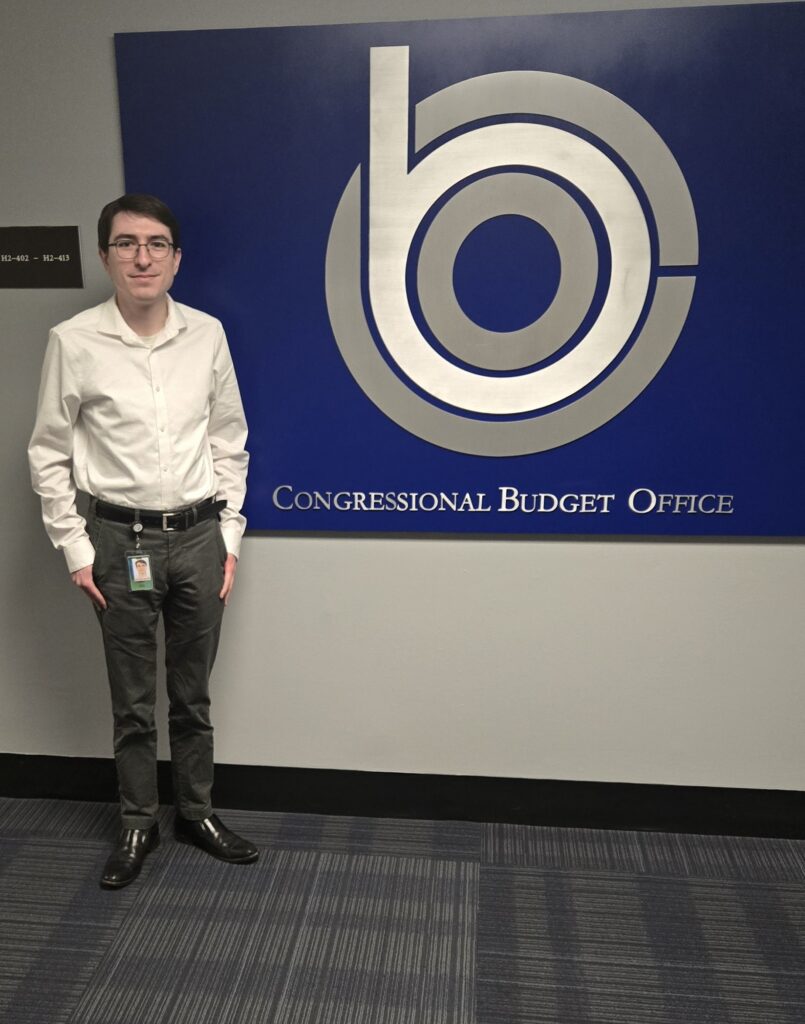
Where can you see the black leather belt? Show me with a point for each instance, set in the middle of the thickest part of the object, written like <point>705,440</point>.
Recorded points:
<point>178,519</point>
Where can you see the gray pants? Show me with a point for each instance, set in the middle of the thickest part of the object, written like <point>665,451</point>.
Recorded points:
<point>187,570</point>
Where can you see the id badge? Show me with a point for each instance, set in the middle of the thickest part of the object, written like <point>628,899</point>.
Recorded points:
<point>138,564</point>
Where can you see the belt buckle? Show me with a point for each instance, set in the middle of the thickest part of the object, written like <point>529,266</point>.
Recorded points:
<point>165,527</point>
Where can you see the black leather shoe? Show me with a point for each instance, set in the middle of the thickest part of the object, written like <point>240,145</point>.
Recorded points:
<point>124,864</point>
<point>212,836</point>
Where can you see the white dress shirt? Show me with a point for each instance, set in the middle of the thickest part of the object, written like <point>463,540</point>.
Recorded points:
<point>151,423</point>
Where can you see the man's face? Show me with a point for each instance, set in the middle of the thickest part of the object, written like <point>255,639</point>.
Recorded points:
<point>142,280</point>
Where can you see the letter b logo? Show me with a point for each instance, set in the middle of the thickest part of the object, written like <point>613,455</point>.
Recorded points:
<point>616,313</point>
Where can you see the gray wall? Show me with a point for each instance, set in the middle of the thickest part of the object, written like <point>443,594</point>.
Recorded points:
<point>638,662</point>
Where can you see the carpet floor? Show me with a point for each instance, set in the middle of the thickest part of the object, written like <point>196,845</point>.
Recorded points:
<point>378,921</point>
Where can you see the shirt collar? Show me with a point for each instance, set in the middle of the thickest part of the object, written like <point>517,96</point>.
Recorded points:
<point>112,322</point>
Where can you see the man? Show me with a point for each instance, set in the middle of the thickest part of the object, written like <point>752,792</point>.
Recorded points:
<point>139,408</point>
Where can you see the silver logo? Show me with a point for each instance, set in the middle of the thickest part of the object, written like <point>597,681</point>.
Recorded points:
<point>513,167</point>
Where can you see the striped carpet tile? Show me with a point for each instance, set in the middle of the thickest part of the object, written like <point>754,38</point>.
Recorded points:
<point>562,947</point>
<point>64,818</point>
<point>450,840</point>
<point>653,853</point>
<point>301,937</point>
<point>55,926</point>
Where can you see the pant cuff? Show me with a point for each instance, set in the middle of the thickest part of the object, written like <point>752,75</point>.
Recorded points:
<point>137,821</point>
<point>195,814</point>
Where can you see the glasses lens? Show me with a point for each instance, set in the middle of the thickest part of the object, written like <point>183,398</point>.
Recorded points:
<point>125,249</point>
<point>159,249</point>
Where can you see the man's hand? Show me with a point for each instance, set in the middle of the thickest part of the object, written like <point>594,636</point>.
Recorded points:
<point>83,579</point>
<point>230,568</point>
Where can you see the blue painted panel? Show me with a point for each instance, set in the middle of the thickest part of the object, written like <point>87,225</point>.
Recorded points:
<point>253,141</point>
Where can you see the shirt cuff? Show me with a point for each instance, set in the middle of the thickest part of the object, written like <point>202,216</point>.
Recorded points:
<point>79,555</point>
<point>232,537</point>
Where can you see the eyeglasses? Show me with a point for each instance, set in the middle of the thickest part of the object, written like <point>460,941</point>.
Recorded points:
<point>127,248</point>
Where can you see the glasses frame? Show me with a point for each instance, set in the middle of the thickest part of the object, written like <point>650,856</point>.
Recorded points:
<point>136,246</point>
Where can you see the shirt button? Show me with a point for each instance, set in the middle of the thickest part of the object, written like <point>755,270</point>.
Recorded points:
<point>157,388</point>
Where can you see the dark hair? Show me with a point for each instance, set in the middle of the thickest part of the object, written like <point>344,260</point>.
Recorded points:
<point>139,203</point>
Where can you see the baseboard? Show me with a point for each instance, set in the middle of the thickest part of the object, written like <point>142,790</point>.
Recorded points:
<point>692,809</point>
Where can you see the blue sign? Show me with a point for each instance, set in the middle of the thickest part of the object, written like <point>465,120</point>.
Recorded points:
<point>506,275</point>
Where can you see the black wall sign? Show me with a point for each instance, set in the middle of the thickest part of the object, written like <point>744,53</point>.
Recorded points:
<point>40,258</point>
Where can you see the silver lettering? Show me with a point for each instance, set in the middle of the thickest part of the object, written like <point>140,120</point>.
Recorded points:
<point>276,497</point>
<point>633,499</point>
